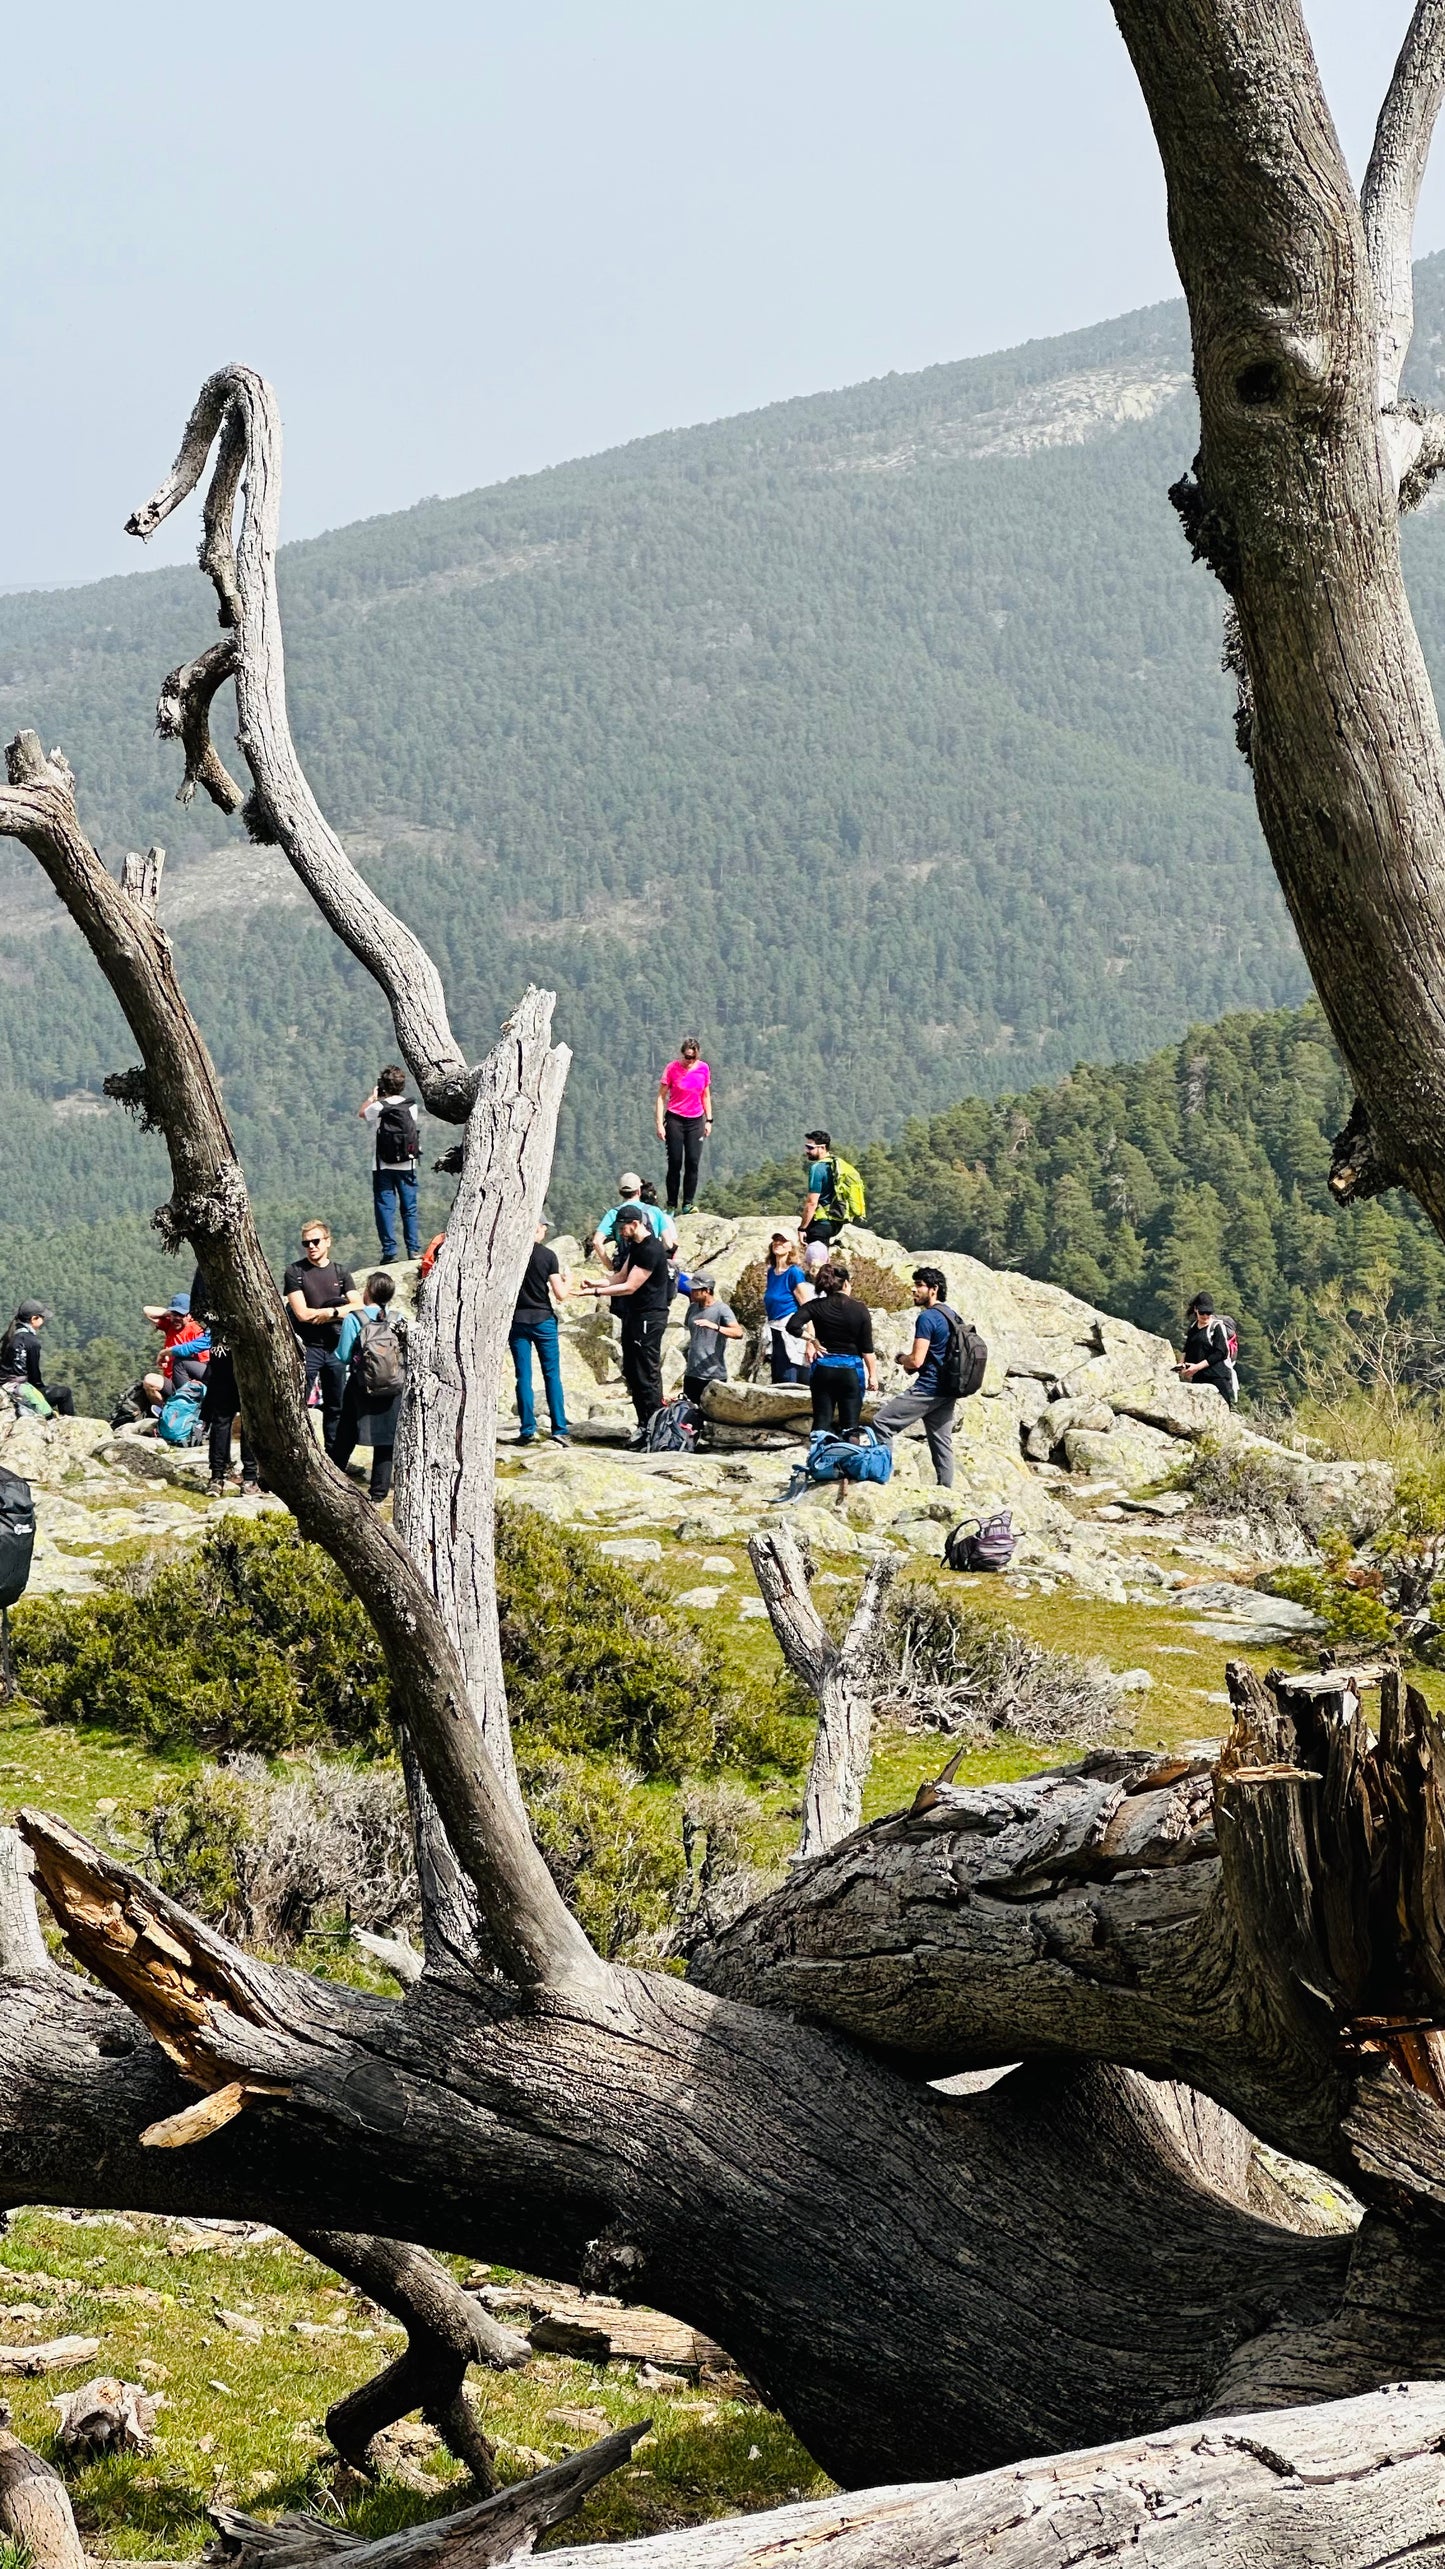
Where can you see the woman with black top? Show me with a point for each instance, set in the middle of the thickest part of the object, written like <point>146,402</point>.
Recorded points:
<point>838,1335</point>
<point>20,1360</point>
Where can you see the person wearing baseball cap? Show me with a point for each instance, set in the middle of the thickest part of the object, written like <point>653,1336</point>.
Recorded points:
<point>629,1198</point>
<point>20,1375</point>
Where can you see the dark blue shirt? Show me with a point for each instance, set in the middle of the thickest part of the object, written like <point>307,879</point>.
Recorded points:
<point>932,1324</point>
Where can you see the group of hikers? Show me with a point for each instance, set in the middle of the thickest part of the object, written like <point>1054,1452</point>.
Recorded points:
<point>353,1345</point>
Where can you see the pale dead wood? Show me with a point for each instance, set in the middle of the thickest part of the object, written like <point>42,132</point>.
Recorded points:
<point>504,2527</point>
<point>445,1505</point>
<point>1358,2485</point>
<point>22,1946</point>
<point>239,408</point>
<point>106,2416</point>
<point>56,2355</point>
<point>842,1676</point>
<point>35,2511</point>
<point>1390,191</point>
<point>140,876</point>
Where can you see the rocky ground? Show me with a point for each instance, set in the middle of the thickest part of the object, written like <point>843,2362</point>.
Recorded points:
<point>1079,1427</point>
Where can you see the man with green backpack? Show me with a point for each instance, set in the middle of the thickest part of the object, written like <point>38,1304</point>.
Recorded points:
<point>835,1190</point>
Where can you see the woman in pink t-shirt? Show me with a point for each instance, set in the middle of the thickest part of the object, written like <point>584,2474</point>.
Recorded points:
<point>684,1119</point>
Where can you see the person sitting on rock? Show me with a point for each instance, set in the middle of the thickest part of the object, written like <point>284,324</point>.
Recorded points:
<point>842,1368</point>
<point>785,1286</point>
<point>1206,1351</point>
<point>20,1376</point>
<point>630,1198</point>
<point>177,1331</point>
<point>708,1323</point>
<point>925,1403</point>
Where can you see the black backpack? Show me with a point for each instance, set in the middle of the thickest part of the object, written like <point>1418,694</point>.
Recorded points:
<point>17,1536</point>
<point>965,1358</point>
<point>674,1428</point>
<point>990,1546</point>
<point>397,1138</point>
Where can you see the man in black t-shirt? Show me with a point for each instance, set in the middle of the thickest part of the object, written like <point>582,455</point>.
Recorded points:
<point>642,1287</point>
<point>318,1296</point>
<point>534,1324</point>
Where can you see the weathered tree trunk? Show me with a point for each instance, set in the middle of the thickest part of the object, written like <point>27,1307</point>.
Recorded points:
<point>35,2511</point>
<point>1295,505</point>
<point>843,1677</point>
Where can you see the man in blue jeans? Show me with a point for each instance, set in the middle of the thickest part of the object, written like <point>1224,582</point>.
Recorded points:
<point>534,1324</point>
<point>392,1117</point>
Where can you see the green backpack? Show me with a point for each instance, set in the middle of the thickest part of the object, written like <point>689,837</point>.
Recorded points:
<point>846,1199</point>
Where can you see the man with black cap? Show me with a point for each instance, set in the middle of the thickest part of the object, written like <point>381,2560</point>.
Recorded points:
<point>642,1287</point>
<point>20,1373</point>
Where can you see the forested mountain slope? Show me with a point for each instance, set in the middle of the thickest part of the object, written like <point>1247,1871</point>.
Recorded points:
<point>878,734</point>
<point>1137,1184</point>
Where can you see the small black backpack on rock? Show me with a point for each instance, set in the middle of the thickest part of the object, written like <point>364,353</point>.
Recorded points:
<point>987,1546</point>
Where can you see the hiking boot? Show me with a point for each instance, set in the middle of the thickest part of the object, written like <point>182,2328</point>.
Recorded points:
<point>526,1440</point>
<point>561,1440</point>
<point>215,1489</point>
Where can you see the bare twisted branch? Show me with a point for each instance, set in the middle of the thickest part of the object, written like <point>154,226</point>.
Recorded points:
<point>1390,192</point>
<point>240,408</point>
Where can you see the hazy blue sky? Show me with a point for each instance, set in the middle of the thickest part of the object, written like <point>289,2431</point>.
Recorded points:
<point>465,241</point>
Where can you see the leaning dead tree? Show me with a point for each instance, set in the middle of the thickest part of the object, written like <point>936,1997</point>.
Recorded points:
<point>1181,1961</point>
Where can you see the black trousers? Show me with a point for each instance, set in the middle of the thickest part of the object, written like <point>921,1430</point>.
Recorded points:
<point>344,1445</point>
<point>322,1363</point>
<point>683,1134</point>
<point>820,1228</point>
<point>642,1362</point>
<point>61,1399</point>
<point>219,1408</point>
<point>837,1397</point>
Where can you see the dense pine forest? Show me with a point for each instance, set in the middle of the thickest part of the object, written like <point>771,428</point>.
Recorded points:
<point>1137,1184</point>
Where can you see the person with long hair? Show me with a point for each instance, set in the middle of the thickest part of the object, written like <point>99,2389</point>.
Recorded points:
<point>684,1119</point>
<point>20,1373</point>
<point>837,1333</point>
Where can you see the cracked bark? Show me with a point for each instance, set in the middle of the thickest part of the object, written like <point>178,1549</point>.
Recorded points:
<point>1294,504</point>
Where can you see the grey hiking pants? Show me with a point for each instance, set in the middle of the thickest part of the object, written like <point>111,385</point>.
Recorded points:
<point>934,1416</point>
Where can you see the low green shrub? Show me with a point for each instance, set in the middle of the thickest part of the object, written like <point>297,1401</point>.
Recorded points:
<point>1350,1612</point>
<point>253,1641</point>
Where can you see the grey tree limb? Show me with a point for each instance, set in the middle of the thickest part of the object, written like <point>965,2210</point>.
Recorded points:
<point>1356,2485</point>
<point>445,1505</point>
<point>842,1676</point>
<point>503,2527</point>
<point>447,2331</point>
<point>530,1929</point>
<point>1293,503</point>
<point>35,2510</point>
<point>238,407</point>
<point>1390,190</point>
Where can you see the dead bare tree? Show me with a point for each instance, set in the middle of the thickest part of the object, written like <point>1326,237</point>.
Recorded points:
<point>760,2149</point>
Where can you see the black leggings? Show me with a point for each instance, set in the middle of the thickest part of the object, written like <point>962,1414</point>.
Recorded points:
<point>684,1155</point>
<point>837,1397</point>
<point>61,1399</point>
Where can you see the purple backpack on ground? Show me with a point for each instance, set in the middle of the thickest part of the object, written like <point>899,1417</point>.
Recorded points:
<point>987,1546</point>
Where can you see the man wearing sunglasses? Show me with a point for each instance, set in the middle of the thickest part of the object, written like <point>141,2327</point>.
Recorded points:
<point>319,1295</point>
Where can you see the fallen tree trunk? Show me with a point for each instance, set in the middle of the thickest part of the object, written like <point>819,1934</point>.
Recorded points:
<point>35,2511</point>
<point>1359,2485</point>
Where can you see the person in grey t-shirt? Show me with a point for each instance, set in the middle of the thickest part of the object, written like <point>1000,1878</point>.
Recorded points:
<point>708,1323</point>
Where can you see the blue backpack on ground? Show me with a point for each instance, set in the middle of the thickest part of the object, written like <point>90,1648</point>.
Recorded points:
<point>865,1456</point>
<point>179,1419</point>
